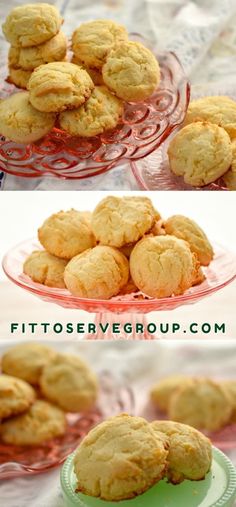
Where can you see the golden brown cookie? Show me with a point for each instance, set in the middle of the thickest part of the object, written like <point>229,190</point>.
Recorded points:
<point>32,24</point>
<point>190,452</point>
<point>162,391</point>
<point>95,74</point>
<point>40,423</point>
<point>19,77</point>
<point>92,41</point>
<point>29,58</point>
<point>129,288</point>
<point>131,71</point>
<point>120,458</point>
<point>20,122</point>
<point>16,396</point>
<point>230,386</point>
<point>57,86</point>
<point>184,228</point>
<point>98,273</point>
<point>66,234</point>
<point>201,153</point>
<point>229,178</point>
<point>68,382</point>
<point>101,112</point>
<point>220,110</point>
<point>26,361</point>
<point>45,268</point>
<point>202,403</point>
<point>162,266</point>
<point>117,221</point>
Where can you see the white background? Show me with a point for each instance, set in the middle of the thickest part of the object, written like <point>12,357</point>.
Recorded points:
<point>23,212</point>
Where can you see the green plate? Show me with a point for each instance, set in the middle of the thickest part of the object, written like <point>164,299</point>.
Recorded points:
<point>217,490</point>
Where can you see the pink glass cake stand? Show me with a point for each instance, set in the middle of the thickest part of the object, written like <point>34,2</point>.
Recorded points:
<point>142,129</point>
<point>219,273</point>
<point>114,397</point>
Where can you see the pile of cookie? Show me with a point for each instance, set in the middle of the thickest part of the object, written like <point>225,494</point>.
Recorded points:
<point>124,246</point>
<point>38,386</point>
<point>125,455</point>
<point>198,401</point>
<point>204,150</point>
<point>88,93</point>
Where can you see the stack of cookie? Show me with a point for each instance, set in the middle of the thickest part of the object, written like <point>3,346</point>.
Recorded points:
<point>200,402</point>
<point>125,456</point>
<point>38,386</point>
<point>122,247</point>
<point>205,149</point>
<point>33,31</point>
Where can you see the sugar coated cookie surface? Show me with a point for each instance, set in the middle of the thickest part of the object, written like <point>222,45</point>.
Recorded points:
<point>162,266</point>
<point>202,403</point>
<point>184,228</point>
<point>92,41</point>
<point>32,24</point>
<point>69,382</point>
<point>57,86</point>
<point>40,423</point>
<point>16,396</point>
<point>20,122</point>
<point>217,109</point>
<point>120,458</point>
<point>31,57</point>
<point>162,391</point>
<point>101,112</point>
<point>45,268</point>
<point>98,273</point>
<point>66,234</point>
<point>117,221</point>
<point>201,153</point>
<point>27,360</point>
<point>229,178</point>
<point>131,71</point>
<point>190,452</point>
<point>18,77</point>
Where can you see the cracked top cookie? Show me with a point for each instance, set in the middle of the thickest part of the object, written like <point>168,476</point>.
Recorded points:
<point>92,41</point>
<point>101,112</point>
<point>29,58</point>
<point>230,177</point>
<point>120,458</point>
<point>201,152</point>
<point>218,109</point>
<point>131,71</point>
<point>45,268</point>
<point>27,360</point>
<point>32,24</point>
<point>57,86</point>
<point>16,396</point>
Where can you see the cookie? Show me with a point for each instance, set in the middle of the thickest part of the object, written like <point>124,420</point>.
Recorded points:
<point>57,86</point>
<point>68,382</point>
<point>93,41</point>
<point>202,403</point>
<point>98,273</point>
<point>230,387</point>
<point>66,234</point>
<point>229,178</point>
<point>16,396</point>
<point>129,288</point>
<point>218,109</point>
<point>101,112</point>
<point>127,249</point>
<point>27,360</point>
<point>184,228</point>
<point>45,268</point>
<point>131,71</point>
<point>162,266</point>
<point>201,153</point>
<point>40,423</point>
<point>117,221</point>
<point>162,391</point>
<point>31,24</point>
<point>120,458</point>
<point>20,122</point>
<point>199,276</point>
<point>31,57</point>
<point>95,74</point>
<point>18,77</point>
<point>190,452</point>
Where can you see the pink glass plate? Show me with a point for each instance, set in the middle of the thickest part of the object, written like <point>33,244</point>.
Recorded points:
<point>221,272</point>
<point>115,397</point>
<point>143,128</point>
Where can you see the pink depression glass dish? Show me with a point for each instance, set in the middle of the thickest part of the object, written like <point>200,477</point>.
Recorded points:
<point>220,273</point>
<point>142,129</point>
<point>115,397</point>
